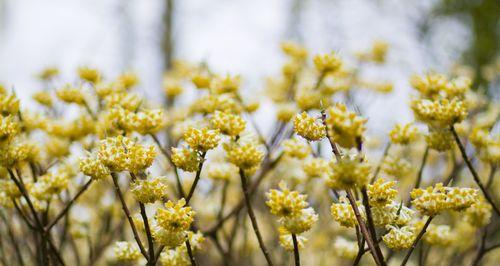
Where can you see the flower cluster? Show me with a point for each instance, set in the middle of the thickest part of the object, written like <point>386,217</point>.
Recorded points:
<point>434,200</point>
<point>308,127</point>
<point>173,222</point>
<point>343,212</point>
<point>345,128</point>
<point>348,173</point>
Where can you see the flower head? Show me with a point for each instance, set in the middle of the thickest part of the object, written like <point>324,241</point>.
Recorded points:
<point>309,127</point>
<point>175,217</point>
<point>345,127</point>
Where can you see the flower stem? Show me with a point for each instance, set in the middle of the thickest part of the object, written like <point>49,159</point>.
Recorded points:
<point>473,171</point>
<point>127,214</point>
<point>196,178</point>
<point>419,236</point>
<point>296,250</point>
<point>251,214</point>
<point>362,226</point>
<point>190,253</point>
<point>371,225</point>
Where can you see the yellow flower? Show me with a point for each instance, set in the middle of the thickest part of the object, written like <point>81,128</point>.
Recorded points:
<point>228,124</point>
<point>440,140</point>
<point>149,190</point>
<point>391,214</point>
<point>396,166</point>
<point>286,240</point>
<point>9,128</point>
<point>433,200</point>
<point>381,193</point>
<point>201,139</point>
<point>221,171</point>
<point>186,159</point>
<point>169,239</point>
<point>309,127</point>
<point>403,134</point>
<point>399,238</point>
<point>348,173</point>
<point>175,217</point>
<point>9,104</point>
<point>43,98</point>
<point>89,74</point>
<point>69,94</point>
<point>201,81</point>
<point>439,235</point>
<point>128,80</point>
<point>343,213</point>
<point>48,73</point>
<point>316,167</point>
<point>345,127</point>
<point>439,113</point>
<point>284,202</point>
<point>429,85</point>
<point>244,155</point>
<point>122,153</point>
<point>296,148</point>
<point>172,87</point>
<point>227,84</point>
<point>479,213</point>
<point>93,167</point>
<point>286,112</point>
<point>49,185</point>
<point>300,223</point>
<point>294,50</point>
<point>126,251</point>
<point>327,63</point>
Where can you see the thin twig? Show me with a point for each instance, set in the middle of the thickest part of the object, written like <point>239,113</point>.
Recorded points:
<point>128,215</point>
<point>296,250</point>
<point>371,225</point>
<point>196,178</point>
<point>382,159</point>
<point>415,242</point>
<point>68,205</point>
<point>473,171</point>
<point>251,214</point>
<point>362,226</point>
<point>190,253</point>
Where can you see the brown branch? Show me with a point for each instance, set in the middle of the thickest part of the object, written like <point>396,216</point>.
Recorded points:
<point>69,205</point>
<point>473,171</point>
<point>362,226</point>
<point>415,242</point>
<point>296,254</point>
<point>127,214</point>
<point>371,225</point>
<point>251,214</point>
<point>196,178</point>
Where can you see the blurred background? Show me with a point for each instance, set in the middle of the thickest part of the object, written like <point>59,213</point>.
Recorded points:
<point>243,37</point>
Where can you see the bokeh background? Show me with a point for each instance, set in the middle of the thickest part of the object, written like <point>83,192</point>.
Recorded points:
<point>243,37</point>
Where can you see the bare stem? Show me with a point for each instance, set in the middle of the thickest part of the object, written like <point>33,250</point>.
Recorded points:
<point>68,205</point>
<point>251,214</point>
<point>196,178</point>
<point>296,250</point>
<point>371,225</point>
<point>473,171</point>
<point>363,228</point>
<point>127,214</point>
<point>190,253</point>
<point>419,236</point>
<point>379,166</point>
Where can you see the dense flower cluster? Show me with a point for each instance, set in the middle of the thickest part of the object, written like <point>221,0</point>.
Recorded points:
<point>99,163</point>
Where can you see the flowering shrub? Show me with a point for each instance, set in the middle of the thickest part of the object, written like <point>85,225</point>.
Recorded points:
<point>187,181</point>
